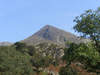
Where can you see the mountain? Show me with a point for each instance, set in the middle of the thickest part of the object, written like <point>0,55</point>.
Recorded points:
<point>52,35</point>
<point>5,43</point>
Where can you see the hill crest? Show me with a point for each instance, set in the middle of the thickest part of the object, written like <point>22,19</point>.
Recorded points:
<point>51,34</point>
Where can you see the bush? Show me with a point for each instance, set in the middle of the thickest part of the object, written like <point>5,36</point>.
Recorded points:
<point>85,54</point>
<point>67,71</point>
<point>13,62</point>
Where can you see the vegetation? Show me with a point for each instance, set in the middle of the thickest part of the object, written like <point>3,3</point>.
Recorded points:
<point>22,59</point>
<point>13,62</point>
<point>86,54</point>
<point>67,71</point>
<point>88,24</point>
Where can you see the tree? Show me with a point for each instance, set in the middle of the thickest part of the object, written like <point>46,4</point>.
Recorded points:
<point>67,71</point>
<point>13,62</point>
<point>22,47</point>
<point>69,54</point>
<point>85,54</point>
<point>31,50</point>
<point>88,24</point>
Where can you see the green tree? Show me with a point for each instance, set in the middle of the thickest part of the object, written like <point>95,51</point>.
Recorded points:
<point>13,62</point>
<point>85,54</point>
<point>31,50</point>
<point>70,53</point>
<point>67,71</point>
<point>22,47</point>
<point>88,24</point>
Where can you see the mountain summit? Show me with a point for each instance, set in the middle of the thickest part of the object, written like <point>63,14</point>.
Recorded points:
<point>51,34</point>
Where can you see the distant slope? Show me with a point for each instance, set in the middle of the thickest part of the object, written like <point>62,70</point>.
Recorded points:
<point>51,34</point>
<point>5,43</point>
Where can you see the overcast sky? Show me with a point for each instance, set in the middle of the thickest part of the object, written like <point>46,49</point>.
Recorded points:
<point>21,18</point>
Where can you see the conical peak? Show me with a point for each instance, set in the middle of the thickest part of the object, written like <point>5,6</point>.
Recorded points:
<point>48,26</point>
<point>50,33</point>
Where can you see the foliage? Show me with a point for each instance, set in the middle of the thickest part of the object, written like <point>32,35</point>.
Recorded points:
<point>49,53</point>
<point>40,56</point>
<point>44,55</point>
<point>31,50</point>
<point>43,73</point>
<point>88,24</point>
<point>85,54</point>
<point>67,71</point>
<point>13,62</point>
<point>22,47</point>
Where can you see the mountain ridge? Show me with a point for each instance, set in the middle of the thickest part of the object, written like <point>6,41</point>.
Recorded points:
<point>51,34</point>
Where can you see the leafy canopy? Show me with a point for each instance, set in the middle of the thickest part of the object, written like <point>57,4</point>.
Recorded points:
<point>88,24</point>
<point>83,53</point>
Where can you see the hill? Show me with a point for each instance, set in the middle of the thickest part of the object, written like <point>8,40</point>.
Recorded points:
<point>52,35</point>
<point>5,43</point>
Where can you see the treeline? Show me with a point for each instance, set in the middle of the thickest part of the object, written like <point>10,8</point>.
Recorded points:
<point>13,62</point>
<point>87,55</point>
<point>21,59</point>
